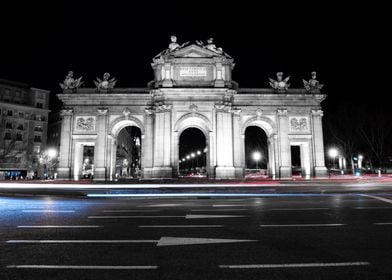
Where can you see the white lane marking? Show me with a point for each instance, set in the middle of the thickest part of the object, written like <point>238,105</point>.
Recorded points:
<point>132,217</point>
<point>383,224</point>
<point>181,226</point>
<point>304,225</point>
<point>381,207</point>
<point>297,209</point>
<point>77,241</point>
<point>218,210</point>
<point>163,241</point>
<point>231,205</point>
<point>378,198</point>
<point>48,211</point>
<point>173,241</point>
<point>190,216</point>
<point>162,205</point>
<point>130,211</point>
<point>84,266</point>
<point>293,265</point>
<point>58,226</point>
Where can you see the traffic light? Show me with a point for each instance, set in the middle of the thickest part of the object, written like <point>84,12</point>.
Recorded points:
<point>356,169</point>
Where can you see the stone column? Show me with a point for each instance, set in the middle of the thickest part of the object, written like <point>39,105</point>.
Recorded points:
<point>100,172</point>
<point>65,153</point>
<point>162,143</point>
<point>167,81</point>
<point>318,144</point>
<point>147,145</point>
<point>219,82</point>
<point>285,152</point>
<point>224,146</point>
<point>238,144</point>
<point>271,157</point>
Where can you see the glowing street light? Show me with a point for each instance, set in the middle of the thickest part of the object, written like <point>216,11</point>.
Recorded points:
<point>256,156</point>
<point>333,153</point>
<point>52,153</point>
<point>198,153</point>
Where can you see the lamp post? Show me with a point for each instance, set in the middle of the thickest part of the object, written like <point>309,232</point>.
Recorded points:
<point>198,153</point>
<point>256,156</point>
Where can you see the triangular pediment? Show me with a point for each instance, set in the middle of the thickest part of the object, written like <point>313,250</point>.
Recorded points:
<point>194,51</point>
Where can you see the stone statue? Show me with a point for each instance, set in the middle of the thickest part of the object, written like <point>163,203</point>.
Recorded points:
<point>281,84</point>
<point>70,82</point>
<point>173,45</point>
<point>212,47</point>
<point>106,83</point>
<point>312,85</point>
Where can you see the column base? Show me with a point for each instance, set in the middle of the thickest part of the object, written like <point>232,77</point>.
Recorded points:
<point>321,171</point>
<point>285,172</point>
<point>63,173</point>
<point>239,172</point>
<point>158,172</point>
<point>100,174</point>
<point>225,173</point>
<point>167,83</point>
<point>219,83</point>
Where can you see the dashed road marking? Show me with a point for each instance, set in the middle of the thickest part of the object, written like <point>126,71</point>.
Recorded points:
<point>295,265</point>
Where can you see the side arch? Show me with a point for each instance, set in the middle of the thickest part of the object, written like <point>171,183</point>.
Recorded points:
<point>264,123</point>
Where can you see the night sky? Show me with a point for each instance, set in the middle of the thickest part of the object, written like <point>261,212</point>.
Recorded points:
<point>345,44</point>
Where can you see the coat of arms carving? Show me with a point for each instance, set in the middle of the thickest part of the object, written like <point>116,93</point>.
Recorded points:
<point>85,123</point>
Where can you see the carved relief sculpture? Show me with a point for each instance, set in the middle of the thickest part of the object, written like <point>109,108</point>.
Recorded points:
<point>299,124</point>
<point>85,124</point>
<point>70,82</point>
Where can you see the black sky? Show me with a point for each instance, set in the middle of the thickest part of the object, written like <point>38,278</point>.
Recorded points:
<point>42,40</point>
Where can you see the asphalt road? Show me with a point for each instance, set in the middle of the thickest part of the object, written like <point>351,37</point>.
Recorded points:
<point>340,236</point>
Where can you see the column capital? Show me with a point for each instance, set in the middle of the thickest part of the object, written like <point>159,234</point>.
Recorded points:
<point>66,112</point>
<point>319,113</point>
<point>102,111</point>
<point>282,112</point>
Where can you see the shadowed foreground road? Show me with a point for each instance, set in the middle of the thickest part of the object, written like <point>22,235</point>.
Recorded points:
<point>340,236</point>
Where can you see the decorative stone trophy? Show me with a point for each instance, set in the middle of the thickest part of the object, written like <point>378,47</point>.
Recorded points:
<point>106,83</point>
<point>70,82</point>
<point>280,84</point>
<point>313,86</point>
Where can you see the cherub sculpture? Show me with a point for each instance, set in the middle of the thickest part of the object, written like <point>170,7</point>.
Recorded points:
<point>212,47</point>
<point>281,84</point>
<point>70,82</point>
<point>312,85</point>
<point>173,45</point>
<point>106,83</point>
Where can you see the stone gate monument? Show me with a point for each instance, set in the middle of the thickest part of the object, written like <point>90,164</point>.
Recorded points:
<point>192,88</point>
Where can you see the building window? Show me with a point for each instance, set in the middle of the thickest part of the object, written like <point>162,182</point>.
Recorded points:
<point>40,105</point>
<point>21,115</point>
<point>37,149</point>
<point>37,138</point>
<point>18,137</point>
<point>10,113</point>
<point>7,136</point>
<point>38,128</point>
<point>20,127</point>
<point>8,125</point>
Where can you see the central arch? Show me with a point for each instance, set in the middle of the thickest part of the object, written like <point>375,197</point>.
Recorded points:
<point>193,121</point>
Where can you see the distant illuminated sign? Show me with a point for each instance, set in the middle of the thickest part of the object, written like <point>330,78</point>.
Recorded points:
<point>193,72</point>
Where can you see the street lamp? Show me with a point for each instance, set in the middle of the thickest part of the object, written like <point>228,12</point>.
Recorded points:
<point>333,153</point>
<point>197,158</point>
<point>256,156</point>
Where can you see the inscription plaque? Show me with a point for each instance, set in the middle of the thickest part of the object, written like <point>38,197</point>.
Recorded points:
<point>193,72</point>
